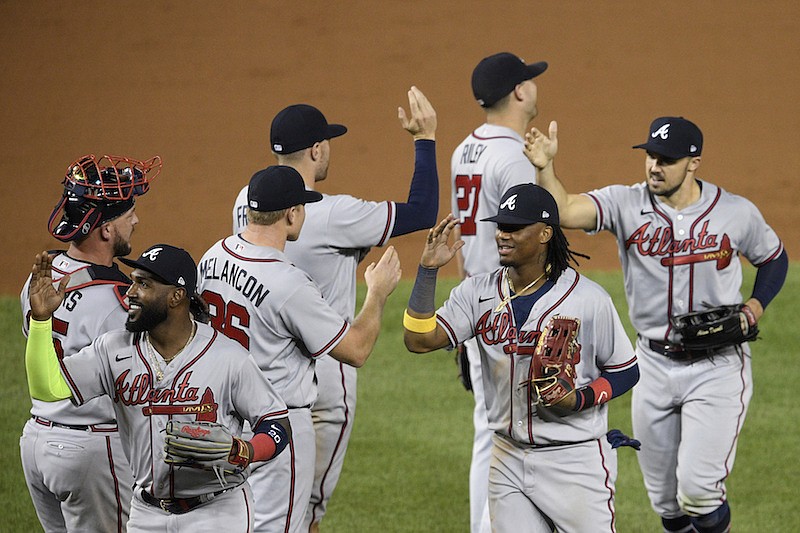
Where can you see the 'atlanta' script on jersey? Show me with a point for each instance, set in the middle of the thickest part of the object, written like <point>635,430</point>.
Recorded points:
<point>660,242</point>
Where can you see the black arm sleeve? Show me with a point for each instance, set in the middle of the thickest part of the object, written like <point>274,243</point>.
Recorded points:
<point>422,207</point>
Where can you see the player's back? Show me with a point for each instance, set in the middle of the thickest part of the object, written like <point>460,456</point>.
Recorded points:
<point>486,164</point>
<point>95,303</point>
<point>258,298</point>
<point>337,234</point>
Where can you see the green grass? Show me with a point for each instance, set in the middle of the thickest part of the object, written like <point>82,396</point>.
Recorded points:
<point>408,462</point>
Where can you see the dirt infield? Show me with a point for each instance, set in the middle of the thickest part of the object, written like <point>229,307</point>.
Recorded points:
<point>198,83</point>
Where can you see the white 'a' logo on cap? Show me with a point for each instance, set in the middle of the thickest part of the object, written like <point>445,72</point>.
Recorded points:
<point>152,254</point>
<point>662,132</point>
<point>510,203</point>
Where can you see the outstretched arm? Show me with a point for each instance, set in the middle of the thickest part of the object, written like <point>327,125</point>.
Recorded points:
<point>45,381</point>
<point>419,211</point>
<point>576,211</point>
<point>422,333</point>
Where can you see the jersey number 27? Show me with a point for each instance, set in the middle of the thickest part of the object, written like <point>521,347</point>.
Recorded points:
<point>468,190</point>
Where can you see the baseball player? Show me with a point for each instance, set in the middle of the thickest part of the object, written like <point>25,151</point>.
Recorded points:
<point>339,231</point>
<point>539,450</point>
<point>263,301</point>
<point>487,163</point>
<point>679,240</point>
<point>72,456</point>
<point>165,369</point>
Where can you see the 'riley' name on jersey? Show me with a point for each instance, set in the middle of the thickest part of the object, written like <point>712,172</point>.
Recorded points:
<point>471,153</point>
<point>235,276</point>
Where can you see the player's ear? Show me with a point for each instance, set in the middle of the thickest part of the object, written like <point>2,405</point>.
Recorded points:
<point>316,151</point>
<point>293,215</point>
<point>694,164</point>
<point>546,234</point>
<point>177,296</point>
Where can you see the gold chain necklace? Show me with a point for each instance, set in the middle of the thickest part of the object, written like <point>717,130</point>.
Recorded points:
<point>507,299</point>
<point>151,351</point>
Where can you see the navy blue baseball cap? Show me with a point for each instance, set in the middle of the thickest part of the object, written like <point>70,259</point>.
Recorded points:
<point>674,137</point>
<point>173,265</point>
<point>526,204</point>
<point>300,126</point>
<point>497,75</point>
<point>278,187</point>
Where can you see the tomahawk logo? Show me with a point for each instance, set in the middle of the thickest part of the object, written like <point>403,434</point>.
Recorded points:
<point>510,203</point>
<point>662,132</point>
<point>152,254</point>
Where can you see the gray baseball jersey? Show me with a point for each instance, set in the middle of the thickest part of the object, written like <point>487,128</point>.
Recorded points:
<point>484,166</point>
<point>259,298</point>
<point>687,413</point>
<point>95,304</point>
<point>91,468</point>
<point>677,261</point>
<point>506,349</point>
<point>273,309</point>
<point>536,453</point>
<point>337,234</point>
<point>212,379</point>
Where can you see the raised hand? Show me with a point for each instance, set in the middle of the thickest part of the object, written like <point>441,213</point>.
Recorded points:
<point>437,252</point>
<point>540,149</point>
<point>44,297</point>
<point>422,122</point>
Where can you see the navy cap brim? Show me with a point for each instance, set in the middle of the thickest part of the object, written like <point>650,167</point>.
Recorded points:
<point>660,149</point>
<point>510,219</point>
<point>311,196</point>
<point>335,130</point>
<point>537,68</point>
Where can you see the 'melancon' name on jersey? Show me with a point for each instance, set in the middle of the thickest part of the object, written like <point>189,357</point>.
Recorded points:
<point>235,276</point>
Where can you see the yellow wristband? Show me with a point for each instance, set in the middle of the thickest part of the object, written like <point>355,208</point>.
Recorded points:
<point>418,325</point>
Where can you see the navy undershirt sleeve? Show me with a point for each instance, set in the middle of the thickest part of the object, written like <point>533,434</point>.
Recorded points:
<point>770,278</point>
<point>622,382</point>
<point>422,207</point>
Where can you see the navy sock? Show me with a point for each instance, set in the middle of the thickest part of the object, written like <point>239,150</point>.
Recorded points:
<point>718,521</point>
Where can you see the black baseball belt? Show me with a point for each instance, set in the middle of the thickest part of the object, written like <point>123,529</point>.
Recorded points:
<point>181,505</point>
<point>678,352</point>
<point>110,427</point>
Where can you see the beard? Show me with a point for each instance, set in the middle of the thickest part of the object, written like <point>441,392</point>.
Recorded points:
<point>121,247</point>
<point>149,317</point>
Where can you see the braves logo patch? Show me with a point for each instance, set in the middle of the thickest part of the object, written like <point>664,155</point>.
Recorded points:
<point>510,203</point>
<point>662,132</point>
<point>152,254</point>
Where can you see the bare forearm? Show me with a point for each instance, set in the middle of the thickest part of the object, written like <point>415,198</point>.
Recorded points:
<point>576,211</point>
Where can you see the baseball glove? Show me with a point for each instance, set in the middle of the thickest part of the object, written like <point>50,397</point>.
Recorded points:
<point>554,358</point>
<point>716,327</point>
<point>206,445</point>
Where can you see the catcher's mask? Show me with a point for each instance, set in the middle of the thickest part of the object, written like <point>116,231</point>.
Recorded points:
<point>97,190</point>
